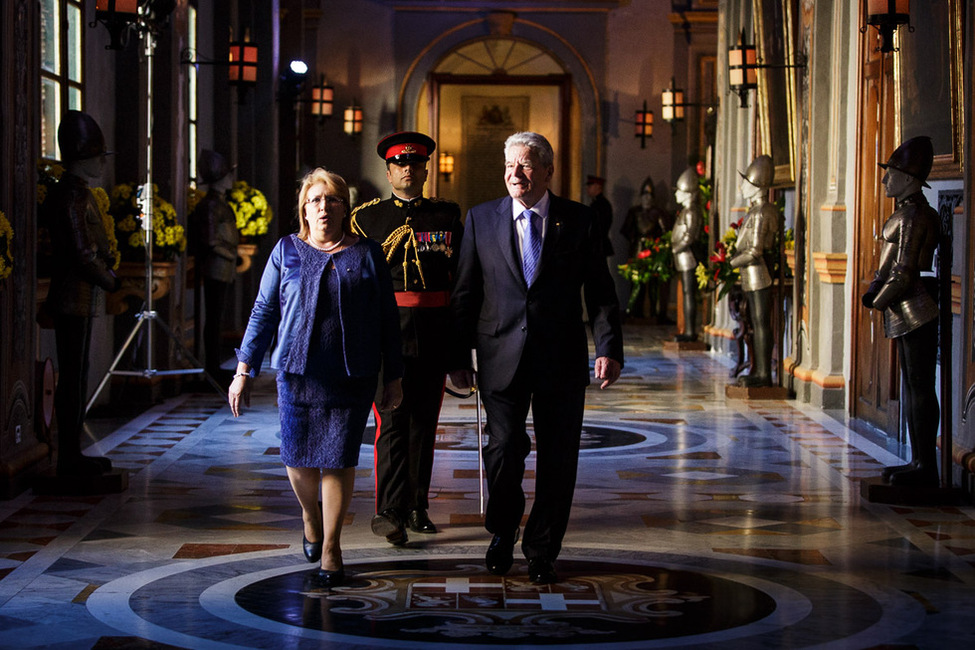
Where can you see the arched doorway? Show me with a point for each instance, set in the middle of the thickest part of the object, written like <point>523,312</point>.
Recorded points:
<point>470,91</point>
<point>482,92</point>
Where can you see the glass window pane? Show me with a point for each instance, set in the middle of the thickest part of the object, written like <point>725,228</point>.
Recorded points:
<point>193,154</point>
<point>75,26</point>
<point>50,116</point>
<point>74,98</point>
<point>191,80</point>
<point>50,38</point>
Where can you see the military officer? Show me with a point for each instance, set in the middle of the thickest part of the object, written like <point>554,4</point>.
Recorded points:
<point>420,237</point>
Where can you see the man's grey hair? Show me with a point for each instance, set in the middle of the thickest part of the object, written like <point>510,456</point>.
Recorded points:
<point>535,142</point>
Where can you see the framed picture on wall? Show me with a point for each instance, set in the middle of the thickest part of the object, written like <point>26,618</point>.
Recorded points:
<point>775,34</point>
<point>929,83</point>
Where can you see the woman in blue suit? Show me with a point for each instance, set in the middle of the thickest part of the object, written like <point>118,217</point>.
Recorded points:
<point>327,297</point>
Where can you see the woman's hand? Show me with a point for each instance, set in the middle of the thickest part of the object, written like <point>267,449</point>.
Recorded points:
<point>392,395</point>
<point>240,390</point>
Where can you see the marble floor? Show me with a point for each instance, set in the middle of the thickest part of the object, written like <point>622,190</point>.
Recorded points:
<point>698,522</point>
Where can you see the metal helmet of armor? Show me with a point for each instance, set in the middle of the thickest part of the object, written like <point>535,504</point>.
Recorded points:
<point>761,172</point>
<point>914,157</point>
<point>79,137</point>
<point>689,181</point>
<point>212,166</point>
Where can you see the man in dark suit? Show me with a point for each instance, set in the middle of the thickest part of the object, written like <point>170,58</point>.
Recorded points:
<point>524,260</point>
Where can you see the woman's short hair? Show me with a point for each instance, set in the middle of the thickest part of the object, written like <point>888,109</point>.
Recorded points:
<point>335,185</point>
<point>535,142</point>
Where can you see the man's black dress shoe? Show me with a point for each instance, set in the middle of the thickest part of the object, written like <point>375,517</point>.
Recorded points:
<point>500,553</point>
<point>420,522</point>
<point>313,550</point>
<point>389,524</point>
<point>541,572</point>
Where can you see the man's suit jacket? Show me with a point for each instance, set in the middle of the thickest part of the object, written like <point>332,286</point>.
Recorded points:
<point>496,311</point>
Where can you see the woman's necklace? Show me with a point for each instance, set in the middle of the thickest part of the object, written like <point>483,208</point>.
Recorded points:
<point>328,249</point>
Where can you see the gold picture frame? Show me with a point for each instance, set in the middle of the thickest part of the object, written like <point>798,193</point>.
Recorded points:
<point>775,34</point>
<point>929,84</point>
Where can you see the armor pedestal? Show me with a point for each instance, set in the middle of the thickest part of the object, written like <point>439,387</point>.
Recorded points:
<point>51,484</point>
<point>685,346</point>
<point>875,490</point>
<point>734,391</point>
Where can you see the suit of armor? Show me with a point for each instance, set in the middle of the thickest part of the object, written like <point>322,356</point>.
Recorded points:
<point>910,237</point>
<point>216,258</point>
<point>81,269</point>
<point>686,247</point>
<point>757,234</point>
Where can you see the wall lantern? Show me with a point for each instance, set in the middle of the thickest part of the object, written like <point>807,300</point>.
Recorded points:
<point>446,165</point>
<point>672,103</point>
<point>243,62</point>
<point>122,17</point>
<point>119,17</point>
<point>887,16</point>
<point>742,69</point>
<point>352,122</point>
<point>643,125</point>
<point>322,100</point>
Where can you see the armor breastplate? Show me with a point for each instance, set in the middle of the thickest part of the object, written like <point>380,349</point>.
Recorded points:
<point>687,230</point>
<point>910,237</point>
<point>755,235</point>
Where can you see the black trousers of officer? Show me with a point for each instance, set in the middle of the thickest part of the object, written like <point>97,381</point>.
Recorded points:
<point>557,423</point>
<point>405,438</point>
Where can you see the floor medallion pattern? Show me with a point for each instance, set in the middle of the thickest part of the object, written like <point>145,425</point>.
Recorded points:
<point>622,602</point>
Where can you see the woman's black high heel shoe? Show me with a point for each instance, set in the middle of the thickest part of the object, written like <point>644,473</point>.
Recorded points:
<point>325,579</point>
<point>313,550</point>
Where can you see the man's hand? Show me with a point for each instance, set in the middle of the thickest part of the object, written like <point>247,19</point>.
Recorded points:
<point>462,379</point>
<point>392,395</point>
<point>608,370</point>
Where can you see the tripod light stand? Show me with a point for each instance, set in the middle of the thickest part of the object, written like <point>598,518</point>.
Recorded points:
<point>148,315</point>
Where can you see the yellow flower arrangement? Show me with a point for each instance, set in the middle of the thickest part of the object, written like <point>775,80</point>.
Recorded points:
<point>168,235</point>
<point>721,277</point>
<point>104,204</point>
<point>48,174</point>
<point>6,247</point>
<point>251,209</point>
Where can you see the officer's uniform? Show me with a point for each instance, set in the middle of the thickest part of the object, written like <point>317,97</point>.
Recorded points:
<point>421,239</point>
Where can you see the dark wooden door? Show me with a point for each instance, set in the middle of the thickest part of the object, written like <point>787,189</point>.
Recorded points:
<point>875,396</point>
